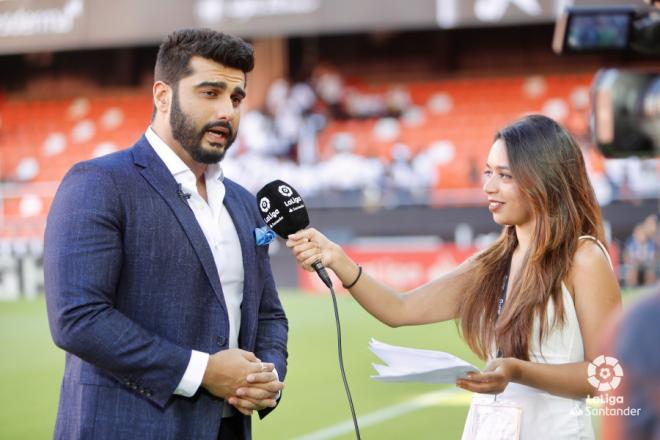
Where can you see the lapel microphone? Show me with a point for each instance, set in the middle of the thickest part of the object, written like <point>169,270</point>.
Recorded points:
<point>182,195</point>
<point>285,213</point>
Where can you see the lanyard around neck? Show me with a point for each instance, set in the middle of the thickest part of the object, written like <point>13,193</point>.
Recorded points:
<point>500,304</point>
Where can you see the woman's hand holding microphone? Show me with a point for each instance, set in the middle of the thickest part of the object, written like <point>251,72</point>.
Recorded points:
<point>310,246</point>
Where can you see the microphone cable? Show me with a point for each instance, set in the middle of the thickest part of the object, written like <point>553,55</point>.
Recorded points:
<point>283,210</point>
<point>341,364</point>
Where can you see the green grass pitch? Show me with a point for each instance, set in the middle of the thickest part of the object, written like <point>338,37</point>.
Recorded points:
<point>31,370</point>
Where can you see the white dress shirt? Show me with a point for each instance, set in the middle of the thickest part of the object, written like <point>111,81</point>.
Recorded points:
<point>222,238</point>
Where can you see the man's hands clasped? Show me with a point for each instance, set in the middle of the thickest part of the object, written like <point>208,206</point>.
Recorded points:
<point>240,378</point>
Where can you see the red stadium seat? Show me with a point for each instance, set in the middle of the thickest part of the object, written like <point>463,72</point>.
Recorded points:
<point>465,111</point>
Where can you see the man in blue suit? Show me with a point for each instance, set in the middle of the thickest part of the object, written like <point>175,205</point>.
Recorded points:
<point>156,286</point>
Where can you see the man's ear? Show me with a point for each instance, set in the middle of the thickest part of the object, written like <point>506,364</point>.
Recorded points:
<point>162,96</point>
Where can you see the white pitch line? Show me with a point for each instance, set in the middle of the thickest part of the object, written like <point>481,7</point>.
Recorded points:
<point>390,412</point>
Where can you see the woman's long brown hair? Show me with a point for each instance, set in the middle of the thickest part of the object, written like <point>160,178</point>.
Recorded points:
<point>549,168</point>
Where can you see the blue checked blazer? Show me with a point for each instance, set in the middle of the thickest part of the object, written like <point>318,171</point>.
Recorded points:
<point>132,287</point>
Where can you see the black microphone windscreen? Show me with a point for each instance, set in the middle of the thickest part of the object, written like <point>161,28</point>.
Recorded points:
<point>282,208</point>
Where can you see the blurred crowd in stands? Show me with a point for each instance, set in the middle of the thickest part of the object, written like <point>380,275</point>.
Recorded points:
<point>344,143</point>
<point>282,140</point>
<point>641,258</point>
<point>341,141</point>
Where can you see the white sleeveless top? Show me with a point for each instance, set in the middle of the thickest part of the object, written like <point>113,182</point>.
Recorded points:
<point>544,415</point>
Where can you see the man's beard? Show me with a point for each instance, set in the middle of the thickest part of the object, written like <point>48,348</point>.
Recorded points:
<point>184,132</point>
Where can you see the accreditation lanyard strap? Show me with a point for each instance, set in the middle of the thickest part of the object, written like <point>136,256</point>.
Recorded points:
<point>500,304</point>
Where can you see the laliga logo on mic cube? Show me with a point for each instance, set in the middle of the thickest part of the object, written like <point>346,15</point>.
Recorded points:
<point>282,208</point>
<point>285,191</point>
<point>293,199</point>
<point>264,205</point>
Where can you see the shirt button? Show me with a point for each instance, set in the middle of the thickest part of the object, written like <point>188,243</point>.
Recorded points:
<point>220,340</point>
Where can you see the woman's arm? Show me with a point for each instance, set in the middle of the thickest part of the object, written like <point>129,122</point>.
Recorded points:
<point>433,302</point>
<point>566,380</point>
<point>597,296</point>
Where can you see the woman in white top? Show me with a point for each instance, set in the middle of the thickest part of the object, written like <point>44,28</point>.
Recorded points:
<point>559,293</point>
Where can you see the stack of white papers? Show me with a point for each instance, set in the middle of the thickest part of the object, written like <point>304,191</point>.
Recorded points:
<point>412,365</point>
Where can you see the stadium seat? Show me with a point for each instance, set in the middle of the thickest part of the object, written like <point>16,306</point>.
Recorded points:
<point>41,139</point>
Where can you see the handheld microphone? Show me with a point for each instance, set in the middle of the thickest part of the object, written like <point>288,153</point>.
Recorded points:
<point>284,212</point>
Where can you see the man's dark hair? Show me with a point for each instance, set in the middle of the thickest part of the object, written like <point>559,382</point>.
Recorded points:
<point>180,46</point>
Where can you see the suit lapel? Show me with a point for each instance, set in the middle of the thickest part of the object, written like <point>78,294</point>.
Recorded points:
<point>156,173</point>
<point>245,230</point>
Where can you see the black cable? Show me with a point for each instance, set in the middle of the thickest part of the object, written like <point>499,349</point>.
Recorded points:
<point>341,365</point>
